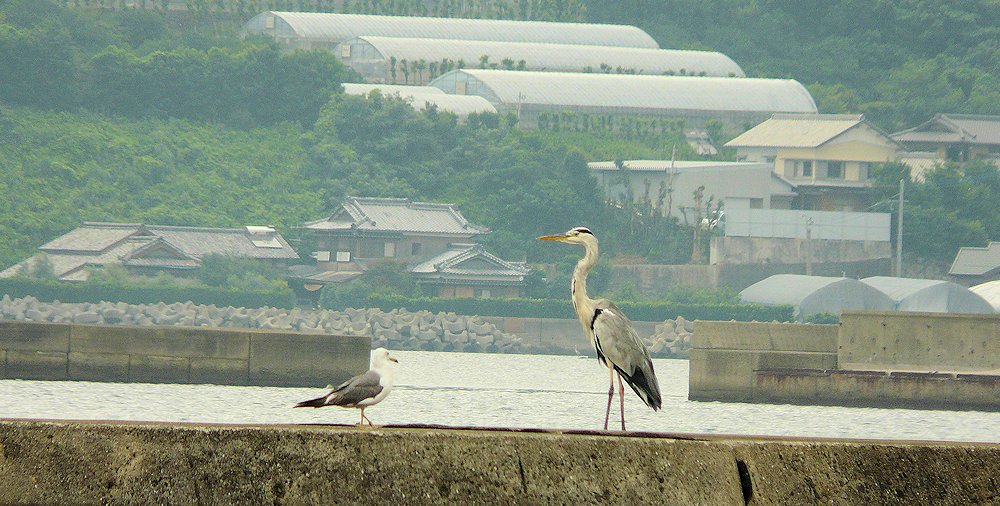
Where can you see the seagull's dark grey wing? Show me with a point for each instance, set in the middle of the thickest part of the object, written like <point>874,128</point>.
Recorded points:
<point>355,390</point>
<point>620,345</point>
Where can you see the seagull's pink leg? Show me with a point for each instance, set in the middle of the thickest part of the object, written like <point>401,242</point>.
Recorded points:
<point>611,394</point>
<point>362,424</point>
<point>621,395</point>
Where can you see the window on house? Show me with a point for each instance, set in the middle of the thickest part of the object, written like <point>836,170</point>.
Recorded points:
<point>415,249</point>
<point>483,293</point>
<point>835,170</point>
<point>390,249</point>
<point>864,171</point>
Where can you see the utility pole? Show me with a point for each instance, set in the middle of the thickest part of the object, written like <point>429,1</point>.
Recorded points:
<point>899,232</point>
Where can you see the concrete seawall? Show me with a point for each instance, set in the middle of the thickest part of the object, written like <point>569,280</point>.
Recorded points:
<point>886,359</point>
<point>119,463</point>
<point>167,354</point>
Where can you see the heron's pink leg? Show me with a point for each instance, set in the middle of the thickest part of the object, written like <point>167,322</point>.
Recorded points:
<point>611,394</point>
<point>621,396</point>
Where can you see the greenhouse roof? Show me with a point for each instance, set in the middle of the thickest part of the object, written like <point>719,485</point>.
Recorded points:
<point>459,105</point>
<point>338,27</point>
<point>989,291</point>
<point>624,91</point>
<point>930,295</point>
<point>787,288</point>
<point>557,57</point>
<point>816,294</point>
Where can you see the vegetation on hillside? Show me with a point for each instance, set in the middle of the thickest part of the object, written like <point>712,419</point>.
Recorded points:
<point>123,115</point>
<point>897,62</point>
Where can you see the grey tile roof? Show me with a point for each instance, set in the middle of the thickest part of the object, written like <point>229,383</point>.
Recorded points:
<point>469,260</point>
<point>236,242</point>
<point>91,237</point>
<point>954,128</point>
<point>98,243</point>
<point>976,261</point>
<point>397,215</point>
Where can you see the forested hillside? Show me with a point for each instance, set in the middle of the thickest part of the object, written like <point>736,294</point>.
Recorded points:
<point>899,62</point>
<point>131,115</point>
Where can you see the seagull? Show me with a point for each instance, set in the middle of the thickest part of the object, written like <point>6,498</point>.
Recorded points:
<point>362,391</point>
<point>617,344</point>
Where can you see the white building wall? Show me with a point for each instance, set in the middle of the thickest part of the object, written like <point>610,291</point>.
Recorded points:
<point>795,224</point>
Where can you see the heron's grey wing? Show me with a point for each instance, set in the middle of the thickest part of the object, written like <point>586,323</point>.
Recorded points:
<point>356,389</point>
<point>618,342</point>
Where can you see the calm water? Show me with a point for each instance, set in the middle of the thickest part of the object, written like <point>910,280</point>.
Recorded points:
<point>487,390</point>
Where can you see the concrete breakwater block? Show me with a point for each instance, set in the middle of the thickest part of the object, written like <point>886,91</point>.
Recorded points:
<point>74,463</point>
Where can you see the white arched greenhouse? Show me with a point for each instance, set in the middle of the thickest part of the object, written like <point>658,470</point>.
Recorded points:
<point>816,294</point>
<point>417,61</point>
<point>312,30</point>
<point>929,295</point>
<point>607,101</point>
<point>990,291</point>
<point>423,97</point>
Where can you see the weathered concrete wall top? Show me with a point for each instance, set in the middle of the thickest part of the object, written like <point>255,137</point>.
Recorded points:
<point>919,341</point>
<point>74,463</point>
<point>175,354</point>
<point>759,336</point>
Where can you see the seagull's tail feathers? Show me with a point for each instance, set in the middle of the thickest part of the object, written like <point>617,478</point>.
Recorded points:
<point>643,382</point>
<point>318,402</point>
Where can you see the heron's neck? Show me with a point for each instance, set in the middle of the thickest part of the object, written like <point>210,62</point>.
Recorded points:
<point>583,267</point>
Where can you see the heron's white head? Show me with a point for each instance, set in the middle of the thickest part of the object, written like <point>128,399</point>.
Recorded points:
<point>380,358</point>
<point>575,235</point>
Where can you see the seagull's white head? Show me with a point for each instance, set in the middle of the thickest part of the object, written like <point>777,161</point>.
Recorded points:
<point>380,358</point>
<point>575,235</point>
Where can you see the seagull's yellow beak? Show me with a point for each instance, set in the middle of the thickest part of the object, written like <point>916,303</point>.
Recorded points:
<point>559,238</point>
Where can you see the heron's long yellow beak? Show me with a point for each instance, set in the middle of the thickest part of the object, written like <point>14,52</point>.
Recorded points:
<point>560,237</point>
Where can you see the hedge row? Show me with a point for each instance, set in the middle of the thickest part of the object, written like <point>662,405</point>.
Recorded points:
<point>555,308</point>
<point>50,290</point>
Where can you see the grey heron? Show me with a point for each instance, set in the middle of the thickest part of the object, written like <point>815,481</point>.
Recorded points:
<point>364,390</point>
<point>618,346</point>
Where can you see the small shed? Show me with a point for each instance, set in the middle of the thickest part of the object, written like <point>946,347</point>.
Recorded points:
<point>929,295</point>
<point>990,291</point>
<point>816,294</point>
